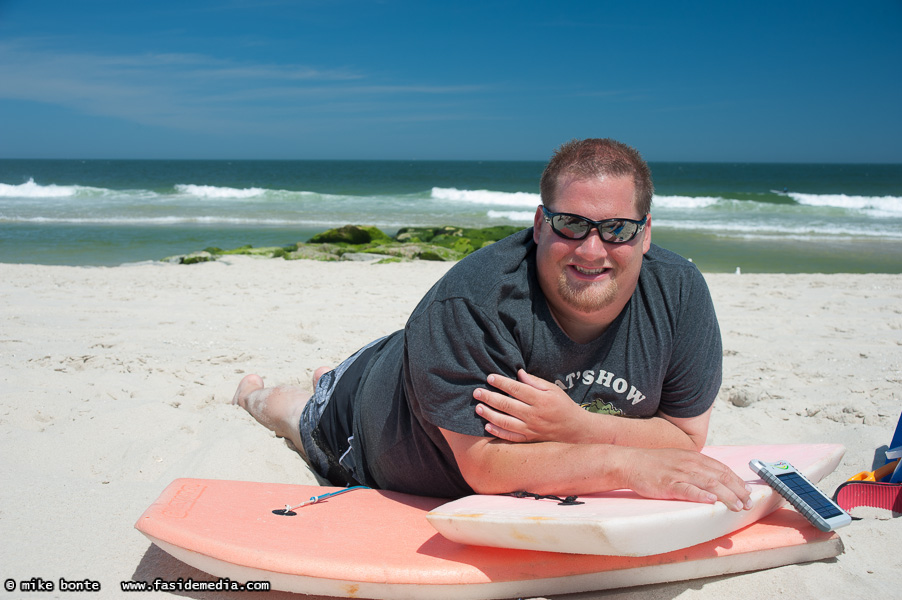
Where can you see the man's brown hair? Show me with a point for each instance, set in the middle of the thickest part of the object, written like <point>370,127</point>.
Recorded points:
<point>596,157</point>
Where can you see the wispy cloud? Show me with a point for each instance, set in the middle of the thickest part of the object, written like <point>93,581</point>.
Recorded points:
<point>198,92</point>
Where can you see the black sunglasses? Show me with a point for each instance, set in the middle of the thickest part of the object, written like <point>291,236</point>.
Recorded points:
<point>576,227</point>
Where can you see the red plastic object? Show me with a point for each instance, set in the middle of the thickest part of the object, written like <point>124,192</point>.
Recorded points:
<point>876,494</point>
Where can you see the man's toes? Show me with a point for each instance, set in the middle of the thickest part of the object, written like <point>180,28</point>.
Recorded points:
<point>248,385</point>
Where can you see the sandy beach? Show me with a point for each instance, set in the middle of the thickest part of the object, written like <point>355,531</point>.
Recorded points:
<point>118,380</point>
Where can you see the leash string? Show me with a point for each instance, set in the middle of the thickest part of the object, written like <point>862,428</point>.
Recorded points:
<point>289,510</point>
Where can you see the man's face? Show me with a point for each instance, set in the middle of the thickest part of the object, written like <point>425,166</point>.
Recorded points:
<point>589,281</point>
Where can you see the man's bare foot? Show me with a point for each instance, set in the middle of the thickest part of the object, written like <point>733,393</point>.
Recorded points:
<point>278,409</point>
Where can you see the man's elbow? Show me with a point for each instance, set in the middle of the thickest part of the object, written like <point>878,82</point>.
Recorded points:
<point>476,460</point>
<point>482,482</point>
<point>482,474</point>
<point>697,442</point>
<point>695,429</point>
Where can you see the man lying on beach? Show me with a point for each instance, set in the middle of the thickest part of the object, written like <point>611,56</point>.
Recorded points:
<point>572,357</point>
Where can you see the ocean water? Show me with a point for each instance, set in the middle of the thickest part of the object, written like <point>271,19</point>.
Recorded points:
<point>756,217</point>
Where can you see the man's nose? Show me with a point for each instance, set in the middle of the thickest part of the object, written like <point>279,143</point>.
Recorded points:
<point>592,245</point>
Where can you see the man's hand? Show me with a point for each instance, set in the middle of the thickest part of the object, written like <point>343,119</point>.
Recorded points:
<point>685,475</point>
<point>529,409</point>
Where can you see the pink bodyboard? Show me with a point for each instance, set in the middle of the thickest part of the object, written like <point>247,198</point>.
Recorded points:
<point>376,544</point>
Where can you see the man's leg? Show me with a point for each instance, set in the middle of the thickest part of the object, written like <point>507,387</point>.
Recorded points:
<point>279,408</point>
<point>276,408</point>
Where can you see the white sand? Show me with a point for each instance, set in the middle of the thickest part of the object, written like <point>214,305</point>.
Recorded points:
<point>117,380</point>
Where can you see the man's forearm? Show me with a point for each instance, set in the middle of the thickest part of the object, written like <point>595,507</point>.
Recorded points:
<point>530,409</point>
<point>654,432</point>
<point>493,466</point>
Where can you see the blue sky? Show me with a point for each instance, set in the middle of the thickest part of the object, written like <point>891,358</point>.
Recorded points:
<point>767,81</point>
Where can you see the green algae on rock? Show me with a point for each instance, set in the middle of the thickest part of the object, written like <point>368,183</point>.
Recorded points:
<point>411,243</point>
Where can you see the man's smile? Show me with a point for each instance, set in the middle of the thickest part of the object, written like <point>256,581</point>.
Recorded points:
<point>590,272</point>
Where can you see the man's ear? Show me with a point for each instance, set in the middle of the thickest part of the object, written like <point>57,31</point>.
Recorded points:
<point>537,223</point>
<point>646,243</point>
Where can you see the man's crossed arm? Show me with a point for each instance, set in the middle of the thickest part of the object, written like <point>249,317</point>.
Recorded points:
<point>545,443</point>
<point>531,409</point>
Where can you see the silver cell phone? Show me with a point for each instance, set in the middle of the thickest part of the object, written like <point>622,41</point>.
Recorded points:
<point>802,494</point>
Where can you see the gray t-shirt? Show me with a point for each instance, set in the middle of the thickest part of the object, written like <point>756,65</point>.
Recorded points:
<point>488,315</point>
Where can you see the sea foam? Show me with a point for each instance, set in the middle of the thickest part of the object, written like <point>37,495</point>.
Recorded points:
<point>154,221</point>
<point>684,201</point>
<point>517,216</point>
<point>487,197</point>
<point>30,189</point>
<point>212,191</point>
<point>874,205</point>
<point>772,229</point>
